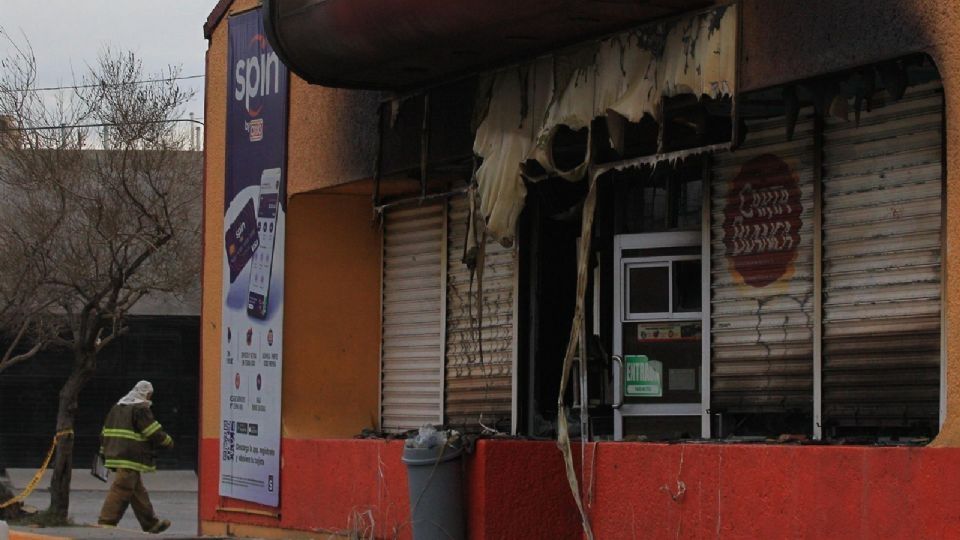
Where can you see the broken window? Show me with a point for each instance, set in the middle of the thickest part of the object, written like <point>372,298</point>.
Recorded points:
<point>824,292</point>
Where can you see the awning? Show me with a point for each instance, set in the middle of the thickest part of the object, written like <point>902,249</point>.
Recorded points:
<point>624,76</point>
<point>406,44</point>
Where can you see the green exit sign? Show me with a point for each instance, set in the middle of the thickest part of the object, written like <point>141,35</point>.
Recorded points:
<point>642,377</point>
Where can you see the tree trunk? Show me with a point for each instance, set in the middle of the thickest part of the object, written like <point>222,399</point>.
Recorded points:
<point>11,511</point>
<point>83,369</point>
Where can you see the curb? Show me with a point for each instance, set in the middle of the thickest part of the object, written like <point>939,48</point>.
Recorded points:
<point>20,535</point>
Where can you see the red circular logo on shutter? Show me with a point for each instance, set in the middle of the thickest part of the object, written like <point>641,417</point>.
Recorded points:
<point>761,224</point>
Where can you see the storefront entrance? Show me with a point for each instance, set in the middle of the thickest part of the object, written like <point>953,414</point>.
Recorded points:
<point>658,336</point>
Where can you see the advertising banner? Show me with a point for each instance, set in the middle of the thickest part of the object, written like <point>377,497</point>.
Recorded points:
<point>253,224</point>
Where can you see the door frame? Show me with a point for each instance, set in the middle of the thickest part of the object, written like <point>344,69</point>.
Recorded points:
<point>653,241</point>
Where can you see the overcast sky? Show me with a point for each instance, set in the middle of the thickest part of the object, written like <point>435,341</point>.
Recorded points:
<point>68,34</point>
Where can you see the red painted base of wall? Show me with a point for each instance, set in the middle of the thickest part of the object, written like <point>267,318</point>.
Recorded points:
<point>517,489</point>
<point>775,492</point>
<point>514,489</point>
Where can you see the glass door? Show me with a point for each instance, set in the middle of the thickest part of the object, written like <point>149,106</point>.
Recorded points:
<point>658,343</point>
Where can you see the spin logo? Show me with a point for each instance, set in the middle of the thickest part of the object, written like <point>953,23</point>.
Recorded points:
<point>256,76</point>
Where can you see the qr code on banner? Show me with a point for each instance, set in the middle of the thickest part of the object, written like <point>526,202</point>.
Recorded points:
<point>228,431</point>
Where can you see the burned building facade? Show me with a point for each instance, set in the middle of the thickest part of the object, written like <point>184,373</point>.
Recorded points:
<point>722,225</point>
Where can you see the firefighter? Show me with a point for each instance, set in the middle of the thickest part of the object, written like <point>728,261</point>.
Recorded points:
<point>129,440</point>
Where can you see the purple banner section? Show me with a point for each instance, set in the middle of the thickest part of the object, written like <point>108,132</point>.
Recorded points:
<point>256,105</point>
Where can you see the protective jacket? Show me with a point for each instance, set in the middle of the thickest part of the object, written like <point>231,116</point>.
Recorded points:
<point>130,437</point>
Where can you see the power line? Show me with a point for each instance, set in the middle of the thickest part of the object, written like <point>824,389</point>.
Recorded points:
<point>104,124</point>
<point>79,86</point>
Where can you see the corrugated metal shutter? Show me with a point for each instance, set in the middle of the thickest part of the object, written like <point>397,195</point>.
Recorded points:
<point>412,348</point>
<point>762,333</point>
<point>882,227</point>
<point>478,383</point>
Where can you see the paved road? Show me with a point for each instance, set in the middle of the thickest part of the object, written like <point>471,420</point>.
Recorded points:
<point>173,493</point>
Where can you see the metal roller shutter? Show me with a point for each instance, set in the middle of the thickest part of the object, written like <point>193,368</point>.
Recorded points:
<point>761,271</point>
<point>478,383</point>
<point>412,348</point>
<point>882,236</point>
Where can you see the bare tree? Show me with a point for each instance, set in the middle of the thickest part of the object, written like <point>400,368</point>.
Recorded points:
<point>86,233</point>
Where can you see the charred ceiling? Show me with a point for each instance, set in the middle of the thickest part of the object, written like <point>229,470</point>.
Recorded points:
<point>843,95</point>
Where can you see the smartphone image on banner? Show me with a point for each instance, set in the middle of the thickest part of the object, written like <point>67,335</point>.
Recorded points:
<point>262,267</point>
<point>241,240</point>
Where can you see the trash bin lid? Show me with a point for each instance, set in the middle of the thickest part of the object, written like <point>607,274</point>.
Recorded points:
<point>431,456</point>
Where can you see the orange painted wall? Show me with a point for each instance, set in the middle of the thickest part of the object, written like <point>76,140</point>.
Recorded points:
<point>943,19</point>
<point>331,341</point>
<point>333,136</point>
<point>331,326</point>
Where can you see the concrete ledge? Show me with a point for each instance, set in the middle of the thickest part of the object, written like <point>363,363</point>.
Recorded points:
<point>230,530</point>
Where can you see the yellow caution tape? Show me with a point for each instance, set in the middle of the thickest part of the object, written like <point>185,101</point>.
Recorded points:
<point>32,485</point>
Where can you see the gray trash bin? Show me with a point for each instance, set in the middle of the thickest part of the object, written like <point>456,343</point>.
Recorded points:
<point>434,476</point>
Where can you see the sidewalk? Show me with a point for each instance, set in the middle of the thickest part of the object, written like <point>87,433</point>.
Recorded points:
<point>183,481</point>
<point>173,493</point>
